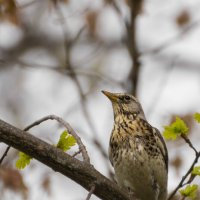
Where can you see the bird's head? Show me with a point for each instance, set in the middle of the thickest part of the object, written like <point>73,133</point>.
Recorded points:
<point>125,104</point>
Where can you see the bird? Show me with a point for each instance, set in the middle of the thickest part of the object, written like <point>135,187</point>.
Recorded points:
<point>137,150</point>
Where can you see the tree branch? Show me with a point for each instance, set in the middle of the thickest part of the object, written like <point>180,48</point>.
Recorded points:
<point>4,154</point>
<point>81,172</point>
<point>181,183</point>
<point>135,7</point>
<point>82,147</point>
<point>187,140</point>
<point>91,192</point>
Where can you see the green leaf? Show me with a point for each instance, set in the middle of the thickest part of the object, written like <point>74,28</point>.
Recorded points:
<point>176,129</point>
<point>197,117</point>
<point>190,191</point>
<point>66,141</point>
<point>196,171</point>
<point>23,160</point>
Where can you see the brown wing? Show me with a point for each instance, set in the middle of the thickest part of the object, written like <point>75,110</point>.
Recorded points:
<point>162,146</point>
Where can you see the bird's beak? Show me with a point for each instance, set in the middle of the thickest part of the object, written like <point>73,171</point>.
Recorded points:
<point>112,96</point>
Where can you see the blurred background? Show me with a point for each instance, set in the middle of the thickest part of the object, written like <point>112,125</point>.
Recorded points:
<point>57,55</point>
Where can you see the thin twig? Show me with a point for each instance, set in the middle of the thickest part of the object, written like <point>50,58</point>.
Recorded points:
<point>162,85</point>
<point>76,153</point>
<point>82,147</point>
<point>187,140</point>
<point>25,5</point>
<point>173,40</point>
<point>4,154</point>
<point>91,192</point>
<point>78,71</point>
<point>181,184</point>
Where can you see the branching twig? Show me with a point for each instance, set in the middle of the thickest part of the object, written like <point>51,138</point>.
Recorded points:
<point>173,40</point>
<point>187,140</point>
<point>82,147</point>
<point>80,72</point>
<point>181,184</point>
<point>91,192</point>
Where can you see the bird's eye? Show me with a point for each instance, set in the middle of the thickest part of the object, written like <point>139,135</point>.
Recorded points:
<point>127,98</point>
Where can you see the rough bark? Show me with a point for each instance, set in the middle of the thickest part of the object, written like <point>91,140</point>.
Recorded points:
<point>79,171</point>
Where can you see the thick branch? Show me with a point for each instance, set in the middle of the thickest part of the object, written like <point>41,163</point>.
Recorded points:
<point>81,172</point>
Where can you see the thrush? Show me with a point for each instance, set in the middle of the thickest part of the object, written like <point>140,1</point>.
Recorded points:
<point>137,150</point>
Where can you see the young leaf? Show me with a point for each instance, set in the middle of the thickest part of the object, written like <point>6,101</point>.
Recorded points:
<point>197,117</point>
<point>196,171</point>
<point>23,160</point>
<point>190,191</point>
<point>66,141</point>
<point>175,129</point>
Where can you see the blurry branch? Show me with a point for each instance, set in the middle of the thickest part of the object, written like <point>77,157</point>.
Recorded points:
<point>76,70</point>
<point>25,5</point>
<point>34,40</point>
<point>115,6</point>
<point>81,172</point>
<point>182,62</point>
<point>68,47</point>
<point>191,177</point>
<point>131,27</point>
<point>173,40</point>
<point>163,83</point>
<point>131,41</point>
